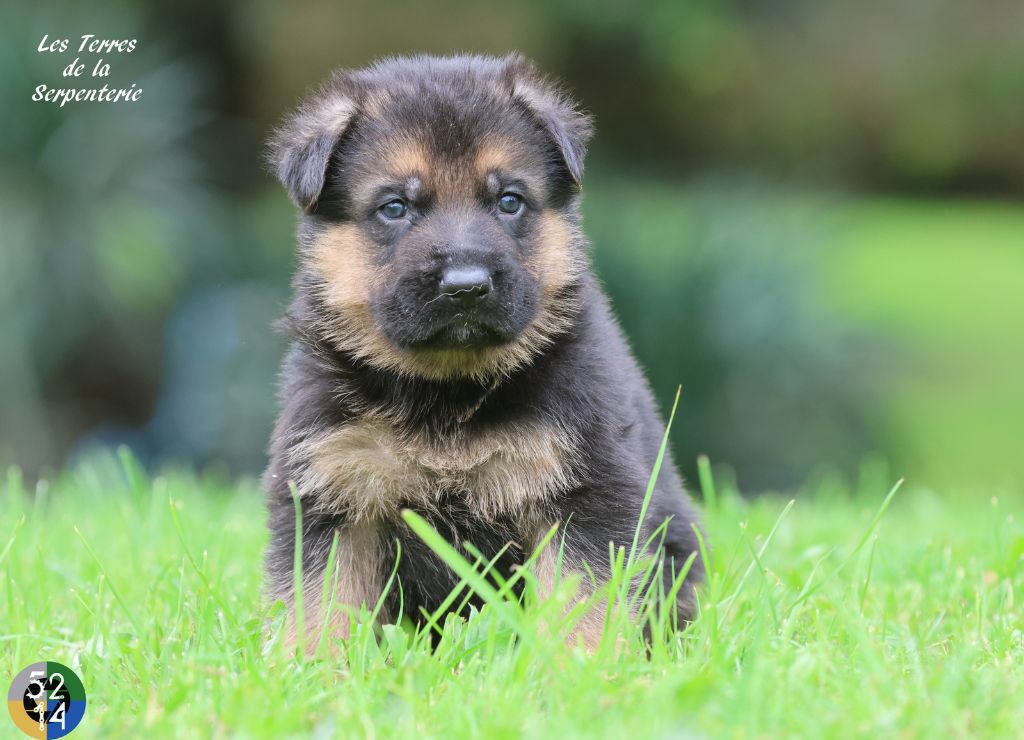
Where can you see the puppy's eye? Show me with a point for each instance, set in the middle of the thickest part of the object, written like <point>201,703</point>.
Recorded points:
<point>510,203</point>
<point>394,209</point>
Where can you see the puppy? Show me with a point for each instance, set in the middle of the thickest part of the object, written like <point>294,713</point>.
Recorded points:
<point>452,352</point>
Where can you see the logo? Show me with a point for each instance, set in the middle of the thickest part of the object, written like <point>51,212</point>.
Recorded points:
<point>46,700</point>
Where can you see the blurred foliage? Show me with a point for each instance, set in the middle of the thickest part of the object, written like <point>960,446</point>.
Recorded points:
<point>138,287</point>
<point>145,253</point>
<point>717,286</point>
<point>909,94</point>
<point>945,283</point>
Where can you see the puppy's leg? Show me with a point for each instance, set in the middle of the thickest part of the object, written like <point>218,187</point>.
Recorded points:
<point>329,599</point>
<point>589,522</point>
<point>556,561</point>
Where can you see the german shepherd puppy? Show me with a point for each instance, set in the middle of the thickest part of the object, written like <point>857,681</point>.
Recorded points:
<point>452,352</point>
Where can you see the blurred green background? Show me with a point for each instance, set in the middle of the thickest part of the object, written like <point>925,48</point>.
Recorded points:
<point>807,213</point>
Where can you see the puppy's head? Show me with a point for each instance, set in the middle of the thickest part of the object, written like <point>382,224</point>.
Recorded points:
<point>440,229</point>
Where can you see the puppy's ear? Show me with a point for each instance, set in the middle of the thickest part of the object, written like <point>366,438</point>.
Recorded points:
<point>300,150</point>
<point>569,128</point>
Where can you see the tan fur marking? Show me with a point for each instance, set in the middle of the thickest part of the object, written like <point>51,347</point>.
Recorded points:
<point>399,160</point>
<point>357,580</point>
<point>590,627</point>
<point>493,156</point>
<point>501,155</point>
<point>556,261</point>
<point>406,158</point>
<point>368,470</point>
<point>340,256</point>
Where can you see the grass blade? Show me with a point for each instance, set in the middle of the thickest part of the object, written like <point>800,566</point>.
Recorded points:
<point>462,568</point>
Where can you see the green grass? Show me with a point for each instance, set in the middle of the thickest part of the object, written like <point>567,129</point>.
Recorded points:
<point>854,619</point>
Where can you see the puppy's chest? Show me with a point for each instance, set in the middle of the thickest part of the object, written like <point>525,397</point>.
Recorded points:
<point>366,468</point>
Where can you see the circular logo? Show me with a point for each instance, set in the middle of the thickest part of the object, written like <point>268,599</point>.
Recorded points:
<point>46,700</point>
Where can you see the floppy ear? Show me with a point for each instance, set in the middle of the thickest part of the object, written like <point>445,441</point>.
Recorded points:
<point>300,150</point>
<point>569,128</point>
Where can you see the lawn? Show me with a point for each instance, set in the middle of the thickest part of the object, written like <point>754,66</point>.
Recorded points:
<point>835,616</point>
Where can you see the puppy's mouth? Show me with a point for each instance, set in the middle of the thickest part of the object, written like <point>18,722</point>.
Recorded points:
<point>463,334</point>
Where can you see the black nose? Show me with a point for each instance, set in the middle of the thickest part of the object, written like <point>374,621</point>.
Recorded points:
<point>465,285</point>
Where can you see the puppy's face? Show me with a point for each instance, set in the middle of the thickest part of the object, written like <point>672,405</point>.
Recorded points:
<point>440,232</point>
